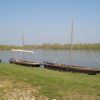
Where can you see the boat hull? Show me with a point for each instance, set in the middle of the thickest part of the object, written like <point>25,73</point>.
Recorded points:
<point>74,69</point>
<point>25,63</point>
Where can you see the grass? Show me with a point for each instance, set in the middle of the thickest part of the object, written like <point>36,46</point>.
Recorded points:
<point>43,84</point>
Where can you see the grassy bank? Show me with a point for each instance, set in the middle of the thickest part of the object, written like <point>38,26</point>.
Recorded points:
<point>42,84</point>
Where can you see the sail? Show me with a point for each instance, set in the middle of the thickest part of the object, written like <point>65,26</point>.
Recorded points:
<point>20,50</point>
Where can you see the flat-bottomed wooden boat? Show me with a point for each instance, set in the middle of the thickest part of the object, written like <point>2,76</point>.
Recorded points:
<point>25,63</point>
<point>69,68</point>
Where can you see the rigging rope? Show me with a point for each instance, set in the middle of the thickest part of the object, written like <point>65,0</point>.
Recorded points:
<point>93,54</point>
<point>28,42</point>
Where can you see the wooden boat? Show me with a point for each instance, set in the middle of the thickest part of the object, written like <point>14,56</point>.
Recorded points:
<point>24,63</point>
<point>70,68</point>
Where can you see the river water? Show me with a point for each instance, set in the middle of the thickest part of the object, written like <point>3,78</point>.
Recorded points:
<point>79,57</point>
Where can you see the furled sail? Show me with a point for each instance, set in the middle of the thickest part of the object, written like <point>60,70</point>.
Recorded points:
<point>20,50</point>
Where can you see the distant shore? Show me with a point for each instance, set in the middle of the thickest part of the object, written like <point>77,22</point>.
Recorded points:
<point>94,46</point>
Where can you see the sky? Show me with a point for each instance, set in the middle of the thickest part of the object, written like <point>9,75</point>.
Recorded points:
<point>49,21</point>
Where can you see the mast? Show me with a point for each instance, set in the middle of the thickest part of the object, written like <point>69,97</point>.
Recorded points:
<point>23,45</point>
<point>71,44</point>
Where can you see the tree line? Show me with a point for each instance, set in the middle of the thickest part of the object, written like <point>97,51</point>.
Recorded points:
<point>94,46</point>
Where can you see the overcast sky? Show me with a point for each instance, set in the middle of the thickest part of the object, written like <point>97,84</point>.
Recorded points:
<point>49,21</point>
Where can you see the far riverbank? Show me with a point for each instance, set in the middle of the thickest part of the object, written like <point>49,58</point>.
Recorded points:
<point>94,46</point>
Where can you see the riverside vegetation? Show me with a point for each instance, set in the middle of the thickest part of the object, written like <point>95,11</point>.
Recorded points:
<point>95,46</point>
<point>30,83</point>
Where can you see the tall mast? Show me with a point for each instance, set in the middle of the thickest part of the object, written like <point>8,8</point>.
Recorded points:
<point>23,45</point>
<point>22,38</point>
<point>71,44</point>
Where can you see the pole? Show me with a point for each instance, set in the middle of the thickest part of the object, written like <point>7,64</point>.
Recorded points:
<point>23,42</point>
<point>71,44</point>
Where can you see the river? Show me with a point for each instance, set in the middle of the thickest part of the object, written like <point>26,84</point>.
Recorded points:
<point>79,57</point>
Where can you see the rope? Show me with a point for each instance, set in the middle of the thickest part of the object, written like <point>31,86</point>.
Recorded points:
<point>28,42</point>
<point>93,54</point>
